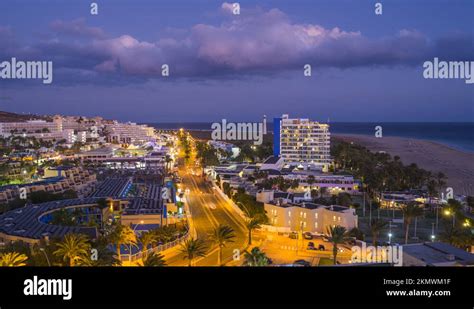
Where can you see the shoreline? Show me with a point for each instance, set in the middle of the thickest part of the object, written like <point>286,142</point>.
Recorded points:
<point>433,156</point>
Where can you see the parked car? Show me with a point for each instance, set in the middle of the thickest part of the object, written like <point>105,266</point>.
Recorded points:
<point>321,248</point>
<point>293,235</point>
<point>308,235</point>
<point>302,263</point>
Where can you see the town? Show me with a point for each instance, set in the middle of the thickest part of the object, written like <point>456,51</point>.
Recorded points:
<point>88,191</point>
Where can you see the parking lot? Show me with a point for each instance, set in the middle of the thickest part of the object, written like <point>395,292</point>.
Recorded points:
<point>284,250</point>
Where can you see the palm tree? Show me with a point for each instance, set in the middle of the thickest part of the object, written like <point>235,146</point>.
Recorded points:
<point>193,248</point>
<point>153,259</point>
<point>13,259</point>
<point>73,248</point>
<point>146,239</point>
<point>337,235</point>
<point>222,235</point>
<point>252,224</point>
<point>255,257</point>
<point>123,235</point>
<point>376,226</point>
<point>410,211</point>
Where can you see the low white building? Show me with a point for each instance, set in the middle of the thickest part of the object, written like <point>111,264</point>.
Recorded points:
<point>310,217</point>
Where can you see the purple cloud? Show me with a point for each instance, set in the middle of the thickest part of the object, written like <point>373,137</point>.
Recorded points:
<point>256,41</point>
<point>76,27</point>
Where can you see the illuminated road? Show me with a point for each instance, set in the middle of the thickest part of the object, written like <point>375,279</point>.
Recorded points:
<point>208,210</point>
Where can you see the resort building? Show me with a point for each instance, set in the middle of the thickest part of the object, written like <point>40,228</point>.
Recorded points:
<point>128,133</point>
<point>233,150</point>
<point>302,142</point>
<point>309,217</point>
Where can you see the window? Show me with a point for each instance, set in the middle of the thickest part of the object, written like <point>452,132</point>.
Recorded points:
<point>334,218</point>
<point>315,225</point>
<point>316,215</point>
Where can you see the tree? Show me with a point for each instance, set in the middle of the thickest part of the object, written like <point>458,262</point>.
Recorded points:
<point>12,259</point>
<point>252,224</point>
<point>152,260</point>
<point>105,255</point>
<point>337,235</point>
<point>222,235</point>
<point>193,248</point>
<point>470,202</point>
<point>357,233</point>
<point>255,257</point>
<point>73,248</point>
<point>344,199</point>
<point>122,235</point>
<point>146,239</point>
<point>410,211</point>
<point>376,226</point>
<point>461,238</point>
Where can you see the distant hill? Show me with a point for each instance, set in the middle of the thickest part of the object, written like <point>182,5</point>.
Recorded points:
<point>12,117</point>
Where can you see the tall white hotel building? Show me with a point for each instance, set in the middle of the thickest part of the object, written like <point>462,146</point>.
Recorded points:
<point>302,142</point>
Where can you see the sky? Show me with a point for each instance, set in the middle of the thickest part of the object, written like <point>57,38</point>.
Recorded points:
<point>364,67</point>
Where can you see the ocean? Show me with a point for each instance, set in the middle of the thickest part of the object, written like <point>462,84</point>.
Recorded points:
<point>457,135</point>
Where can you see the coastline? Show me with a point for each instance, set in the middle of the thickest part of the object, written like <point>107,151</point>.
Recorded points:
<point>456,164</point>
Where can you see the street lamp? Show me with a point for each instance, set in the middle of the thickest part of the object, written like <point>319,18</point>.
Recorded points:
<point>447,212</point>
<point>44,252</point>
<point>390,238</point>
<point>432,232</point>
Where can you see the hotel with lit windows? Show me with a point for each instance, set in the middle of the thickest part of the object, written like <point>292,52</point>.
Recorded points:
<point>302,141</point>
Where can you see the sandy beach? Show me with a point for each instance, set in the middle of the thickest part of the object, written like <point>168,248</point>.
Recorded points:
<point>458,166</point>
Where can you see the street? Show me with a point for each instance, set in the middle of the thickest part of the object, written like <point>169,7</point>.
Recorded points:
<point>207,211</point>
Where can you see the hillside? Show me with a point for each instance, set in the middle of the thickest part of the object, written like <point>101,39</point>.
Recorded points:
<point>12,117</point>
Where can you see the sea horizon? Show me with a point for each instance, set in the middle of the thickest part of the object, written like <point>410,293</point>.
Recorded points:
<point>456,135</point>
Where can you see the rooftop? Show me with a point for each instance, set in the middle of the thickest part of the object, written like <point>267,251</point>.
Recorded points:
<point>437,253</point>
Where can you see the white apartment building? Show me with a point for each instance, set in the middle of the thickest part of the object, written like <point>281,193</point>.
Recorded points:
<point>309,217</point>
<point>303,142</point>
<point>128,132</point>
<point>29,127</point>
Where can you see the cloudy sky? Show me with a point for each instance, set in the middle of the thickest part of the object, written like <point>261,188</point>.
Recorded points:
<point>364,67</point>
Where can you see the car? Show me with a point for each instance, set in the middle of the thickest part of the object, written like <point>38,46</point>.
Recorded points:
<point>301,263</point>
<point>293,235</point>
<point>321,248</point>
<point>307,235</point>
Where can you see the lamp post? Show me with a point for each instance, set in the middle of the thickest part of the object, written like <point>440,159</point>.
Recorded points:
<point>47,258</point>
<point>447,212</point>
<point>432,232</point>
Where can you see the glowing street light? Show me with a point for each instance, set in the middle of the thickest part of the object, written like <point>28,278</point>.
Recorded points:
<point>448,212</point>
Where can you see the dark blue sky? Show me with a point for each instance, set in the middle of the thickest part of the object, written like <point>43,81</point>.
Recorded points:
<point>365,67</point>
